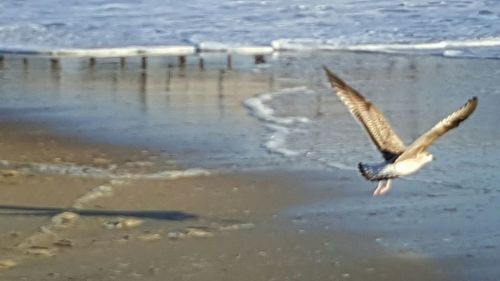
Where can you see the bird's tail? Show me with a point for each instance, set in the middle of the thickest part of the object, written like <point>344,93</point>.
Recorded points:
<point>370,172</point>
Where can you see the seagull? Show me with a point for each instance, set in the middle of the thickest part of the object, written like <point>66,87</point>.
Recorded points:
<point>399,160</point>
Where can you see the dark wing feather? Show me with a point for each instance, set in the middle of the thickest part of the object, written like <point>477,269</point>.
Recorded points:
<point>379,130</point>
<point>448,123</point>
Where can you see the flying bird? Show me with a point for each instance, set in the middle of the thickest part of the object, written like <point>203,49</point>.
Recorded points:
<point>399,160</point>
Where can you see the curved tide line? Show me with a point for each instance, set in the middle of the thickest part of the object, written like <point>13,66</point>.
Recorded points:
<point>277,125</point>
<point>258,107</point>
<point>168,174</point>
<point>276,141</point>
<point>94,172</point>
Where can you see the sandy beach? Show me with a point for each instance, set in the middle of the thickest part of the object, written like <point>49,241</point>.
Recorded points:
<point>213,227</point>
<point>124,174</point>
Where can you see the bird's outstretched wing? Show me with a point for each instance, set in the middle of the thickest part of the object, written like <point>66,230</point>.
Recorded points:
<point>448,123</point>
<point>379,130</point>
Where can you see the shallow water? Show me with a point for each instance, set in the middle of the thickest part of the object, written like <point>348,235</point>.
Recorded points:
<point>285,105</point>
<point>184,111</point>
<point>448,209</point>
<point>283,114</point>
<point>414,93</point>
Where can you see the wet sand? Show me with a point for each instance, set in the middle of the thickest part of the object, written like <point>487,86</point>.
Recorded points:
<point>94,183</point>
<point>232,226</point>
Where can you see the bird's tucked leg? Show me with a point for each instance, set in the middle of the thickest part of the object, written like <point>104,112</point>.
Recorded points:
<point>383,187</point>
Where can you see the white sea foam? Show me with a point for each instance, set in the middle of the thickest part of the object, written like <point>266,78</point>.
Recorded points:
<point>94,172</point>
<point>454,48</point>
<point>440,45</point>
<point>222,25</point>
<point>168,174</point>
<point>105,52</point>
<point>276,141</point>
<point>210,46</point>
<point>95,193</point>
<point>305,44</point>
<point>279,127</point>
<point>234,48</point>
<point>452,53</point>
<point>258,107</point>
<point>251,50</point>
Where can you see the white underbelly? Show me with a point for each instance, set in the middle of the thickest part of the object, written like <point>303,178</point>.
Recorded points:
<point>407,167</point>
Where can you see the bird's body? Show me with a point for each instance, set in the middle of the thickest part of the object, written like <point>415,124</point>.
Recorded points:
<point>399,160</point>
<point>390,170</point>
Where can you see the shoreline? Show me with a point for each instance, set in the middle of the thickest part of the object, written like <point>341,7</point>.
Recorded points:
<point>230,224</point>
<point>101,131</point>
<point>444,48</point>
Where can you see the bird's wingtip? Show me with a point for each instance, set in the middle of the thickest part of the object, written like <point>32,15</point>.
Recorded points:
<point>335,81</point>
<point>326,69</point>
<point>473,102</point>
<point>364,171</point>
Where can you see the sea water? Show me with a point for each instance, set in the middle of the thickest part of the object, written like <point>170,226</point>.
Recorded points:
<point>449,28</point>
<point>449,208</point>
<point>263,115</point>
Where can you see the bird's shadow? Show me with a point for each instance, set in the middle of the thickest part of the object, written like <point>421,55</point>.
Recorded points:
<point>167,215</point>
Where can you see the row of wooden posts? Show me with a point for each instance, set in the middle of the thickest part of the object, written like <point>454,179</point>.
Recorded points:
<point>54,61</point>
